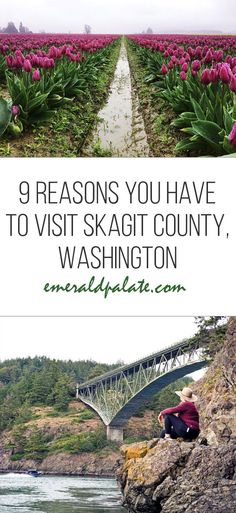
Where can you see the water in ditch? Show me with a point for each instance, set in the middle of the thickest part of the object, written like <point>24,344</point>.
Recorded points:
<point>120,131</point>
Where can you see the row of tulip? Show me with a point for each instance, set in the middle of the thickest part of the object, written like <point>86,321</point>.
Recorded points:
<point>197,77</point>
<point>29,42</point>
<point>43,72</point>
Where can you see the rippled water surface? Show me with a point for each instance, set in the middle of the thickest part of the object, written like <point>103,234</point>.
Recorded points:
<point>121,128</point>
<point>20,493</point>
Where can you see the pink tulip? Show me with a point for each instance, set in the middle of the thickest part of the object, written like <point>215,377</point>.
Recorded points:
<point>199,51</point>
<point>228,59</point>
<point>48,63</point>
<point>164,69</point>
<point>185,67</point>
<point>9,61</point>
<point>5,48</point>
<point>209,56</point>
<point>196,65</point>
<point>232,136</point>
<point>187,57</point>
<point>36,76</point>
<point>53,52</point>
<point>183,75</point>
<point>219,55</point>
<point>225,74</point>
<point>205,77</point>
<point>213,75</point>
<point>27,66</point>
<point>15,110</point>
<point>233,84</point>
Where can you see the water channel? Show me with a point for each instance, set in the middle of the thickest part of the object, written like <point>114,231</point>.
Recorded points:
<point>21,493</point>
<point>120,129</point>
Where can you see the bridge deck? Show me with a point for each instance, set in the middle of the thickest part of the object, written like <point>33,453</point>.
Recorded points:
<point>168,352</point>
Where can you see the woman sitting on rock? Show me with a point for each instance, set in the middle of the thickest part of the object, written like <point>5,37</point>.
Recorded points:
<point>182,421</point>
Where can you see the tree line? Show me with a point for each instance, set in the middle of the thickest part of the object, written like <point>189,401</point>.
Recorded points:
<point>12,29</point>
<point>40,381</point>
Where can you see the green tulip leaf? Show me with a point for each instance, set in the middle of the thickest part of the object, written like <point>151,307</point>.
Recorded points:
<point>5,115</point>
<point>209,131</point>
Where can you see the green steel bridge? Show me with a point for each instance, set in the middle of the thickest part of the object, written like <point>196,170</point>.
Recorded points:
<point>118,394</point>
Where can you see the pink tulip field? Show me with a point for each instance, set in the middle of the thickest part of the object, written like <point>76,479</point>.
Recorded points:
<point>196,76</point>
<point>40,73</point>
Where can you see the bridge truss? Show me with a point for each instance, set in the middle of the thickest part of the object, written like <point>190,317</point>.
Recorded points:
<point>118,394</point>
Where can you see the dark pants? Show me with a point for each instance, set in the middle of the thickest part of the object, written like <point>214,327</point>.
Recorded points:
<point>176,427</point>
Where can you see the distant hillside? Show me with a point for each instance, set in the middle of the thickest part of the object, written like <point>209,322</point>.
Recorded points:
<point>39,381</point>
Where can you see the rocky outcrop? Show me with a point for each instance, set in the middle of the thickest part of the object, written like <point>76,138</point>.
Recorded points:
<point>191,477</point>
<point>217,392</point>
<point>179,477</point>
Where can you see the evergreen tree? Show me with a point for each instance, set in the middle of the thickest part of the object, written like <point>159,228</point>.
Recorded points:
<point>18,442</point>
<point>35,447</point>
<point>211,333</point>
<point>87,29</point>
<point>8,411</point>
<point>25,414</point>
<point>21,28</point>
<point>61,393</point>
<point>98,370</point>
<point>11,28</point>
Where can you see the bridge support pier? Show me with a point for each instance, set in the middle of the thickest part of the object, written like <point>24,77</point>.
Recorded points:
<point>115,433</point>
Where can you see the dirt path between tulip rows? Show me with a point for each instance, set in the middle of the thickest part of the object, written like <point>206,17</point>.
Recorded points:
<point>120,131</point>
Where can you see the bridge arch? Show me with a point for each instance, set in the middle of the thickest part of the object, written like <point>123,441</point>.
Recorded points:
<point>145,394</point>
<point>118,394</point>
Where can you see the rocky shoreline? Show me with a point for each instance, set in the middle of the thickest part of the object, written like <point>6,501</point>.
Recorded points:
<point>59,474</point>
<point>66,464</point>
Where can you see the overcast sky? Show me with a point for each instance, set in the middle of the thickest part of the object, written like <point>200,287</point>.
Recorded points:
<point>101,339</point>
<point>124,16</point>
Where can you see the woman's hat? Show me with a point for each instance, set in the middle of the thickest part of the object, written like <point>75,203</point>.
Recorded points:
<point>187,395</point>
